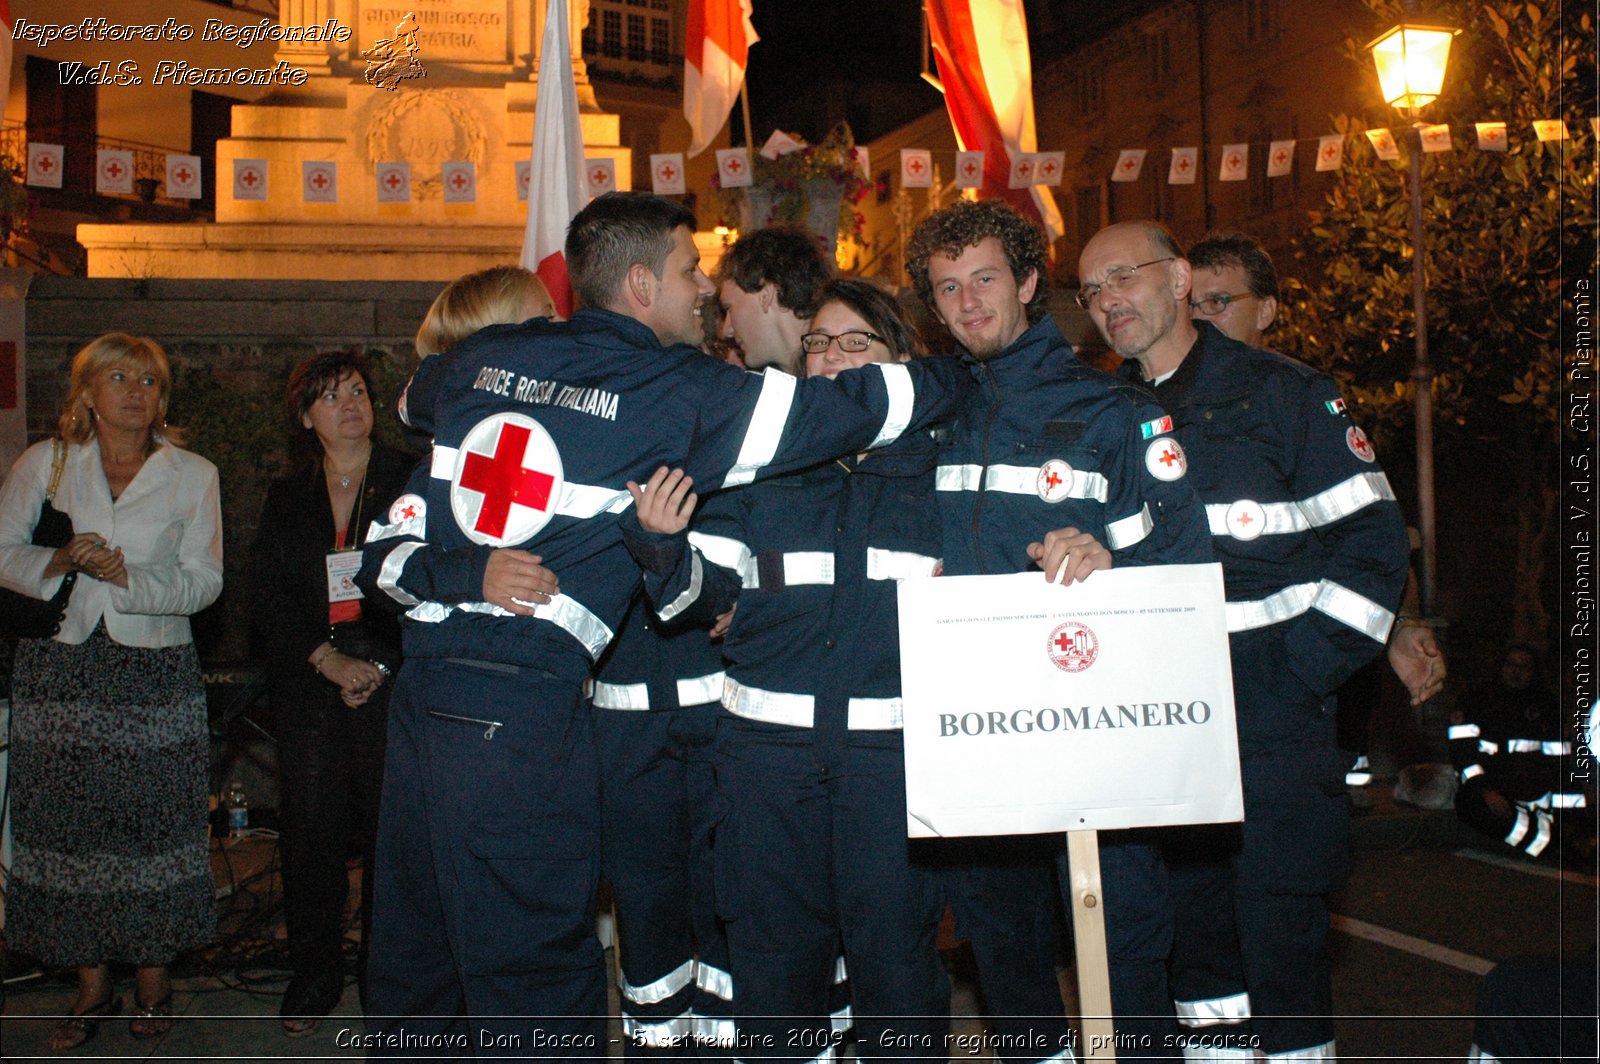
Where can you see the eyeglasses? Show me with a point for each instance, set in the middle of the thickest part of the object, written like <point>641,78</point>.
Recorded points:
<point>1116,279</point>
<point>1211,306</point>
<point>852,342</point>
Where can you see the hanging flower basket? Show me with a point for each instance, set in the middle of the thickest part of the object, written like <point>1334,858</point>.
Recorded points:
<point>817,186</point>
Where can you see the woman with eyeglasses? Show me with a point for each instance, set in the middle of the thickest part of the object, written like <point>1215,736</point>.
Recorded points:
<point>811,851</point>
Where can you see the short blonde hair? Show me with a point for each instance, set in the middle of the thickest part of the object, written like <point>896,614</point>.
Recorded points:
<point>99,355</point>
<point>496,296</point>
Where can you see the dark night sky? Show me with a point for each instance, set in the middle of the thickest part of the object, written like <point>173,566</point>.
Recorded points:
<point>820,61</point>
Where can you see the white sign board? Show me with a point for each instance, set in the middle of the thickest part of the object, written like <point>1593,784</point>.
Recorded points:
<point>1030,707</point>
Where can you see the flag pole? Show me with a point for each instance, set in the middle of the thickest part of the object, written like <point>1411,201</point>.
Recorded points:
<point>744,100</point>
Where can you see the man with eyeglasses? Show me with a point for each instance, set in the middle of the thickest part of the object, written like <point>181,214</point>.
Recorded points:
<point>1314,554</point>
<point>1047,443</point>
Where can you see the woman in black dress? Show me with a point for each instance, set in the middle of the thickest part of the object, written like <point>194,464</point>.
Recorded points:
<point>328,660</point>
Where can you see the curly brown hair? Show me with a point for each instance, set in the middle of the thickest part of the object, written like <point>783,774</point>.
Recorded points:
<point>967,223</point>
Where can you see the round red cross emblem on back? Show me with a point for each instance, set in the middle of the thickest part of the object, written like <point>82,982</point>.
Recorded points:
<point>507,481</point>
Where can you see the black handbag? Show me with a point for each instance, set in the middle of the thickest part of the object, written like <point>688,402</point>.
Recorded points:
<point>23,616</point>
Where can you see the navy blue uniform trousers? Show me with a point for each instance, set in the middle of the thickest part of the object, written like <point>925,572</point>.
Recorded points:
<point>483,918</point>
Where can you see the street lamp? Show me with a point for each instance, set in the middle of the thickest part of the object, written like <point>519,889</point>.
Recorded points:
<point>1411,59</point>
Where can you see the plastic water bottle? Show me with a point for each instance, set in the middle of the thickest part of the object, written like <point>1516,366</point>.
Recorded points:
<point>238,810</point>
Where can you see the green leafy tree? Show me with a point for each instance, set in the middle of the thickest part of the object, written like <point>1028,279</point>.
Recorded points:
<point>1501,227</point>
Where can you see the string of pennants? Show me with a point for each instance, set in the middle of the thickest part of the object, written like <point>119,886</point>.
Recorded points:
<point>1047,168</point>
<point>319,180</point>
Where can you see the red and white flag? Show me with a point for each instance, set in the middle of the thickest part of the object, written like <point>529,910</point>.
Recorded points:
<point>969,169</point>
<point>1436,138</point>
<point>1491,136</point>
<point>183,177</point>
<point>460,180</point>
<point>394,182</point>
<point>733,167</point>
<point>716,52</point>
<point>984,66</point>
<point>1330,152</point>
<point>556,193</point>
<point>1235,162</point>
<point>666,174</point>
<point>250,179</point>
<point>1550,129</point>
<point>44,164</point>
<point>1130,163</point>
<point>113,171</point>
<point>5,54</point>
<point>319,182</point>
<point>1383,143</point>
<point>1185,164</point>
<point>1280,158</point>
<point>601,174</point>
<point>916,168</point>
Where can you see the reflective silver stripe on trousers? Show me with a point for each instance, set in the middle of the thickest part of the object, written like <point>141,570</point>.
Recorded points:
<point>1234,1008</point>
<point>765,431</point>
<point>688,595</point>
<point>1540,821</point>
<point>799,711</point>
<point>1559,800</point>
<point>902,401</point>
<point>1016,480</point>
<point>1464,731</point>
<point>657,991</point>
<point>563,611</point>
<point>577,500</point>
<point>1536,746</point>
<point>1486,747</point>
<point>1471,771</point>
<point>899,564</point>
<point>1327,1052</point>
<point>1129,530</point>
<point>714,981</point>
<point>389,573</point>
<point>659,1034</point>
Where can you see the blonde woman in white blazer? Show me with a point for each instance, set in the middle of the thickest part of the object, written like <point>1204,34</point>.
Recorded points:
<point>109,750</point>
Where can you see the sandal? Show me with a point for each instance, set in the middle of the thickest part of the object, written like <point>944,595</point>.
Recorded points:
<point>307,999</point>
<point>151,1021</point>
<point>80,1027</point>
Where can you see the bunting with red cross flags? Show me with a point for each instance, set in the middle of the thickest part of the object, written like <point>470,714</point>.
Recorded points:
<point>1491,136</point>
<point>250,179</point>
<point>916,168</point>
<point>733,167</point>
<point>1436,138</point>
<point>1130,162</point>
<point>460,181</point>
<point>183,177</point>
<point>666,174</point>
<point>113,171</point>
<point>1330,152</point>
<point>1185,164</point>
<point>45,163</point>
<point>319,181</point>
<point>1235,162</point>
<point>507,480</point>
<point>600,173</point>
<point>969,169</point>
<point>1280,158</point>
<point>394,182</point>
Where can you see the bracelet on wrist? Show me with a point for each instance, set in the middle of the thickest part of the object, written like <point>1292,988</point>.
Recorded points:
<point>381,667</point>
<point>316,662</point>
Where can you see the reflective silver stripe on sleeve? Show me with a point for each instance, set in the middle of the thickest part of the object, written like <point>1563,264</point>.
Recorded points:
<point>1556,749</point>
<point>1280,517</point>
<point>1464,731</point>
<point>389,573</point>
<point>1016,480</point>
<point>1355,610</point>
<point>401,406</point>
<point>1487,747</point>
<point>1129,530</point>
<point>1522,746</point>
<point>902,400</point>
<point>1292,601</point>
<point>588,500</point>
<point>443,464</point>
<point>620,695</point>
<point>653,993</point>
<point>411,526</point>
<point>714,981</point>
<point>1344,499</point>
<point>1205,1013</point>
<point>799,710</point>
<point>765,431</point>
<point>899,564</point>
<point>659,1034</point>
<point>1471,771</point>
<point>563,611</point>
<point>1559,800</point>
<point>721,550</point>
<point>688,595</point>
<point>840,971</point>
<point>799,567</point>
<point>699,690</point>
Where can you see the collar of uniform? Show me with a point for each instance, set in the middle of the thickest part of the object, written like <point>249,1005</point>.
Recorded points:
<point>635,332</point>
<point>1041,347</point>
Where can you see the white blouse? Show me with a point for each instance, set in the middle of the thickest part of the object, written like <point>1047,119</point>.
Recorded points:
<point>168,522</point>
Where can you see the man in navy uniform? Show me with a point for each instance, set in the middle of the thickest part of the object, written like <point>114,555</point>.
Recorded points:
<point>1314,554</point>
<point>488,837</point>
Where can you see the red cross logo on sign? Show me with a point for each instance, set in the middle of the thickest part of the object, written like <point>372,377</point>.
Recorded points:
<point>1024,168</point>
<point>1234,162</point>
<point>393,180</point>
<point>45,163</point>
<point>597,176</point>
<point>1330,151</point>
<point>1128,163</point>
<point>1246,519</point>
<point>508,474</point>
<point>1165,459</point>
<point>1281,158</point>
<point>969,169</point>
<point>249,179</point>
<point>1359,445</point>
<point>184,174</point>
<point>1072,647</point>
<point>1492,134</point>
<point>1054,482</point>
<point>914,165</point>
<point>113,169</point>
<point>668,172</point>
<point>733,165</point>
<point>458,181</point>
<point>1183,164</point>
<point>1049,168</point>
<point>319,179</point>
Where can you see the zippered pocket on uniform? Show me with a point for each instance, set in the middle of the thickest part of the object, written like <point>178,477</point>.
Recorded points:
<point>489,725</point>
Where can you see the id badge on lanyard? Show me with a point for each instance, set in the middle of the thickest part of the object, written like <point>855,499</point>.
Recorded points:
<point>342,568</point>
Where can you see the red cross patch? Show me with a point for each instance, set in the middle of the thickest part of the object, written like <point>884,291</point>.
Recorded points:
<point>1359,445</point>
<point>507,481</point>
<point>407,508</point>
<point>1072,647</point>
<point>1165,459</point>
<point>1246,519</point>
<point>1055,481</point>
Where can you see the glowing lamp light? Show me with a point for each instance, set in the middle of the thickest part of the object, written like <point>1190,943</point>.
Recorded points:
<point>1411,60</point>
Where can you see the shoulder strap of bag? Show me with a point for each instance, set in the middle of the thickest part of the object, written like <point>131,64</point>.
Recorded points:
<point>57,464</point>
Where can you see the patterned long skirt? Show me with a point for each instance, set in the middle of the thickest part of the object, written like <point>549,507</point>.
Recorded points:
<point>109,754</point>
